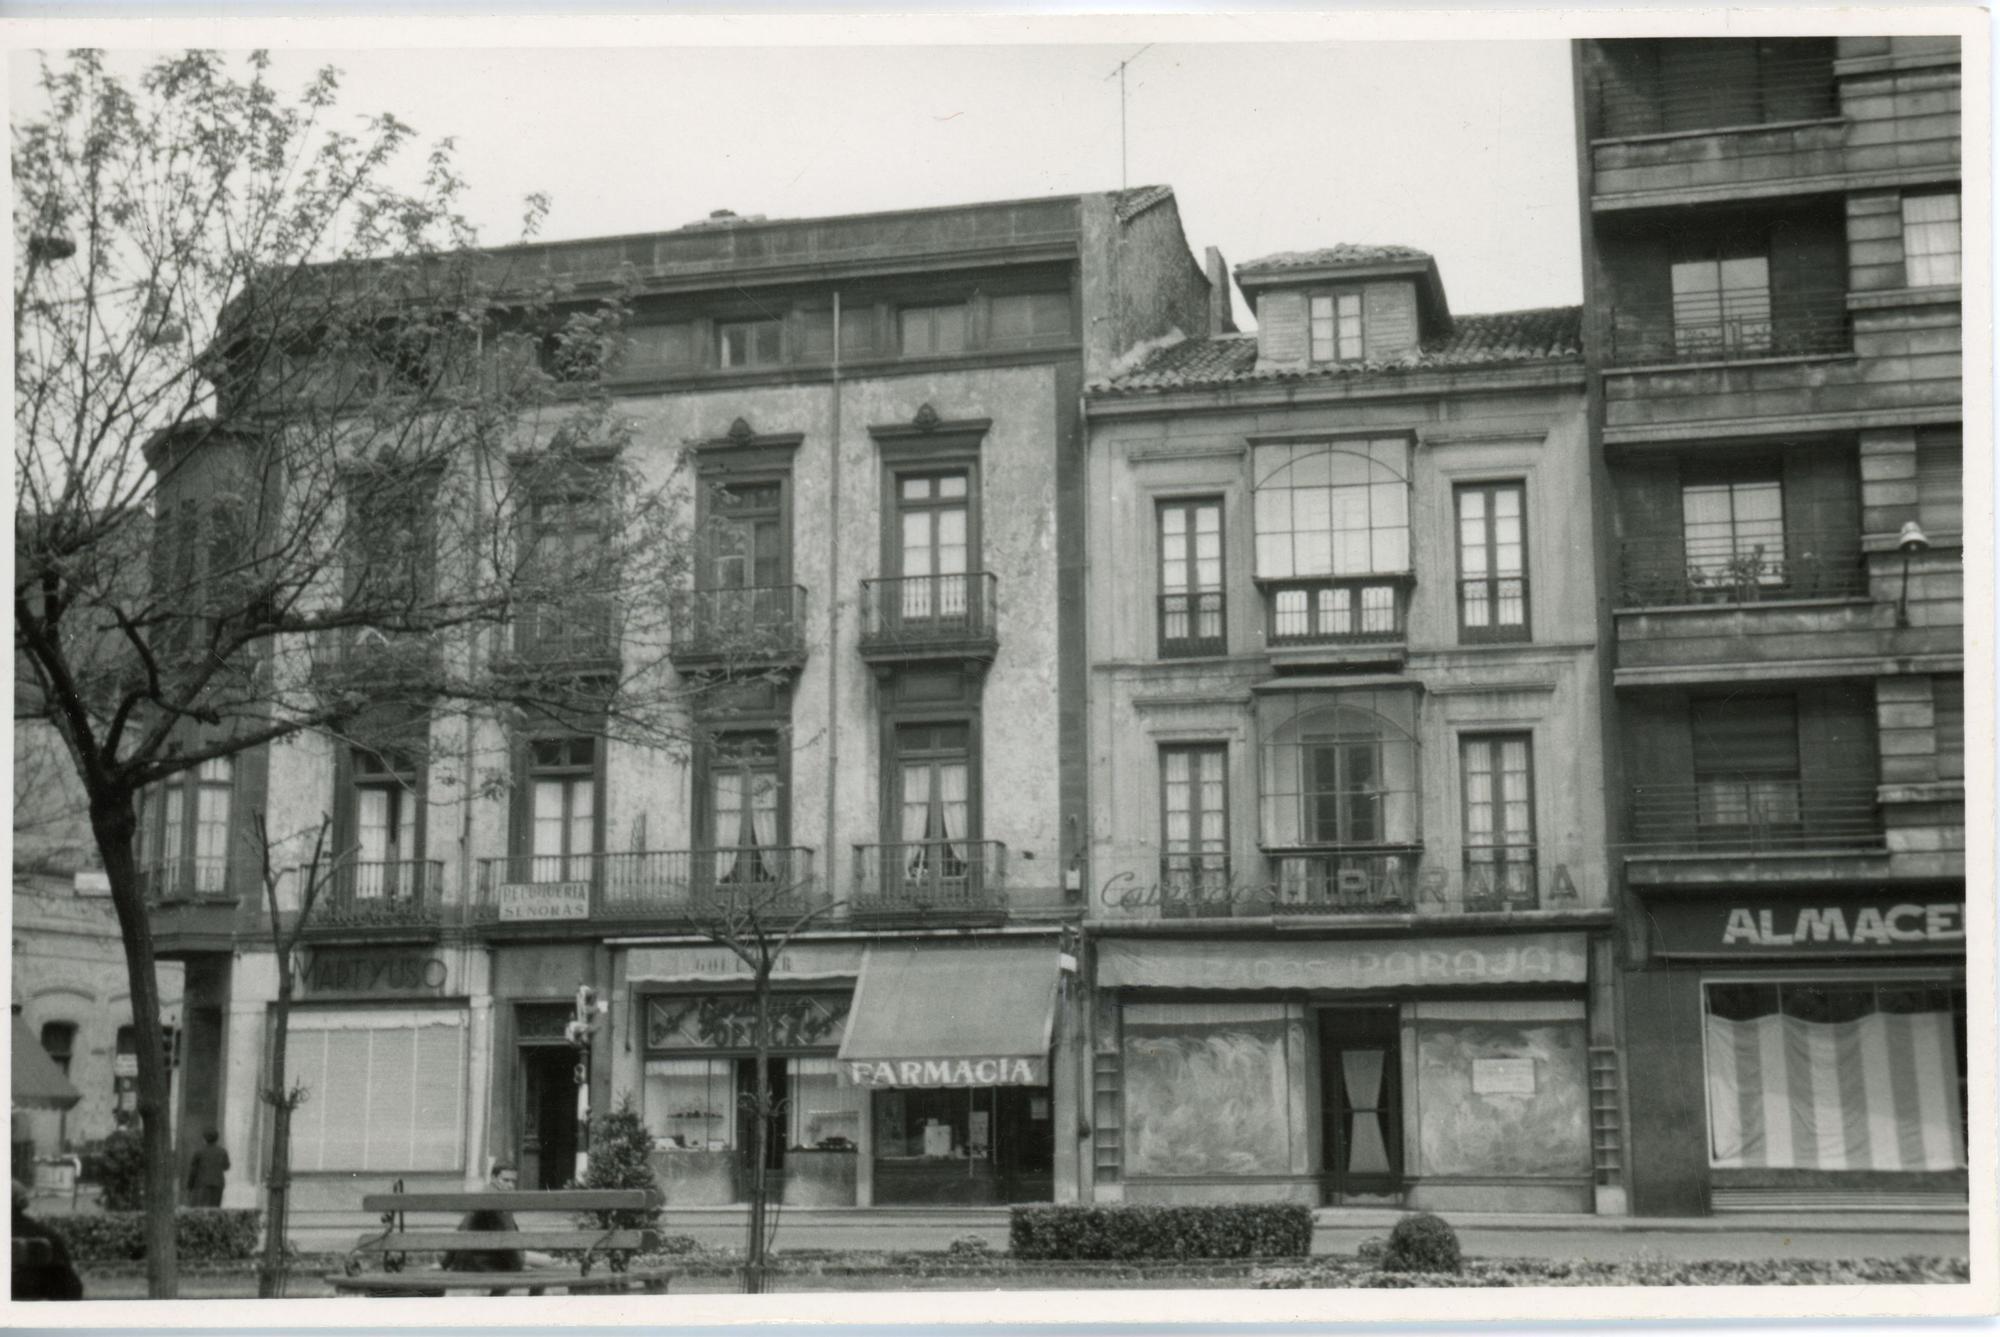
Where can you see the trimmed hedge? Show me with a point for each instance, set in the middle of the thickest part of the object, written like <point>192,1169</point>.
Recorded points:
<point>1223,1230</point>
<point>1916,1269</point>
<point>201,1235</point>
<point>1423,1242</point>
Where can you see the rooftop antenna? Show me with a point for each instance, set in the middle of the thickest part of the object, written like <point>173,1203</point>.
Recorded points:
<point>1123,182</point>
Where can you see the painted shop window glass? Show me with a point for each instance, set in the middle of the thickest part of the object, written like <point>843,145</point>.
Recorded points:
<point>1207,1090</point>
<point>1499,802</point>
<point>1028,320</point>
<point>1734,533</point>
<point>1492,562</point>
<point>562,795</point>
<point>690,1103</point>
<point>1931,238</point>
<point>1948,713</point>
<point>1191,590</point>
<point>1941,482</point>
<point>386,1088</point>
<point>1335,321</point>
<point>750,343</point>
<point>931,330</point>
<point>1722,306</point>
<point>1849,1075</point>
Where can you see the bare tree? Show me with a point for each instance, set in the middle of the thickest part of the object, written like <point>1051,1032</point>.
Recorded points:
<point>293,455</point>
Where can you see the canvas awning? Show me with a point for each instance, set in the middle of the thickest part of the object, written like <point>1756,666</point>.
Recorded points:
<point>930,1013</point>
<point>38,1083</point>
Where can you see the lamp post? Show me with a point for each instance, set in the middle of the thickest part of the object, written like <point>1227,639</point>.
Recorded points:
<point>1912,541</point>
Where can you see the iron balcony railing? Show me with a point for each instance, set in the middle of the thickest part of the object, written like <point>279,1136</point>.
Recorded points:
<point>773,882</point>
<point>1797,87</point>
<point>1500,878</point>
<point>212,881</point>
<point>926,877</point>
<point>344,653</point>
<point>1730,327</point>
<point>1797,564</point>
<point>749,623</point>
<point>1755,814</point>
<point>929,612</point>
<point>1350,610</point>
<point>1345,881</point>
<point>381,893</point>
<point>577,629</point>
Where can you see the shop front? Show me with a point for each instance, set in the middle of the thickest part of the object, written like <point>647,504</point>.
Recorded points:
<point>1801,1049</point>
<point>951,1047</point>
<point>1446,1073</point>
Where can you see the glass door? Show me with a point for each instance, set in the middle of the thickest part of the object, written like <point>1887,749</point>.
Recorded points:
<point>1361,1105</point>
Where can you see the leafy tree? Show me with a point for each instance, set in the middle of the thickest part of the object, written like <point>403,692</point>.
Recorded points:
<point>294,457</point>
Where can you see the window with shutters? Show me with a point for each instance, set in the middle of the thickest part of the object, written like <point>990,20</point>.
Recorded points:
<point>1029,320</point>
<point>1664,85</point>
<point>567,583</point>
<point>1194,826</point>
<point>1746,764</point>
<point>1931,235</point>
<point>1492,562</point>
<point>1334,323</point>
<point>1498,801</point>
<point>1948,713</point>
<point>750,343</point>
<point>1941,482</point>
<point>1191,589</point>
<point>386,1090</point>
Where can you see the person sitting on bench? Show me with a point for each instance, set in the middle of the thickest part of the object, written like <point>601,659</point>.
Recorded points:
<point>505,1179</point>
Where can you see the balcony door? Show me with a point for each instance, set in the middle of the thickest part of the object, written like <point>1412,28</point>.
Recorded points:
<point>1361,1105</point>
<point>385,825</point>
<point>562,826</point>
<point>748,563</point>
<point>934,515</point>
<point>745,814</point>
<point>935,862</point>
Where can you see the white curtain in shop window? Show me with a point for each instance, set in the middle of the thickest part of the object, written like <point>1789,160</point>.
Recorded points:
<point>1876,1093</point>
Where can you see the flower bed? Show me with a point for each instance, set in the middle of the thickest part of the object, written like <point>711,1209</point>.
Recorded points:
<point>1346,1274</point>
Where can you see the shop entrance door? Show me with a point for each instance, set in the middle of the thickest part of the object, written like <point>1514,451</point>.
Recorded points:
<point>548,1115</point>
<point>1023,1142</point>
<point>1361,1106</point>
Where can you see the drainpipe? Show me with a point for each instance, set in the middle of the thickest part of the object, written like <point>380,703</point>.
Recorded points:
<point>1085,992</point>
<point>833,614</point>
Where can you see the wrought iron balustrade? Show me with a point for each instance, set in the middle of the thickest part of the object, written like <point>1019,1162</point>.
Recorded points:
<point>1797,564</point>
<point>1348,610</point>
<point>1755,814</point>
<point>772,881</point>
<point>1345,881</point>
<point>384,893</point>
<point>929,877</point>
<point>925,612</point>
<point>1730,326</point>
<point>210,881</point>
<point>750,623</point>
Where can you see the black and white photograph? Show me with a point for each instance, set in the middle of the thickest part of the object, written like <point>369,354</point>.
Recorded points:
<point>1050,667</point>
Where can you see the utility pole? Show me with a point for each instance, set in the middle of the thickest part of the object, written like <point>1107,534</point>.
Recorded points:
<point>1123,182</point>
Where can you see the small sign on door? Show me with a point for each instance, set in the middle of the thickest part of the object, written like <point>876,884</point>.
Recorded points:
<point>1503,1077</point>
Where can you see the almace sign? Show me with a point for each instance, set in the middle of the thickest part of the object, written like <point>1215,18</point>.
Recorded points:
<point>1017,1071</point>
<point>374,974</point>
<point>1774,927</point>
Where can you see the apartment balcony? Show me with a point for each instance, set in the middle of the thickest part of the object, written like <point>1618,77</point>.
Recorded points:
<point>1353,880</point>
<point>1754,829</point>
<point>1729,327</point>
<point>386,897</point>
<point>930,619</point>
<point>191,904</point>
<point>678,888</point>
<point>930,881</point>
<point>1349,621</point>
<point>361,656</point>
<point>578,635</point>
<point>753,627</point>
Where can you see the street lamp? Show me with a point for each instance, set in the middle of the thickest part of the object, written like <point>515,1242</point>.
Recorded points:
<point>1912,541</point>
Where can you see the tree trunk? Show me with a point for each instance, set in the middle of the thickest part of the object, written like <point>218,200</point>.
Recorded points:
<point>114,823</point>
<point>277,1180</point>
<point>760,1111</point>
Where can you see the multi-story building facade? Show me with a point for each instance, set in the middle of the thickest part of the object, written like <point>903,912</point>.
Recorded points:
<point>1771,245</point>
<point>1351,918</point>
<point>872,428</point>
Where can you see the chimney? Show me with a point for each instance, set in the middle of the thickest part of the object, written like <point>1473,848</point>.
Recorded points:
<point>1221,319</point>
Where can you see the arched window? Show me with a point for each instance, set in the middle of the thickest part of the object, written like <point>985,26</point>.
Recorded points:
<point>1341,820</point>
<point>1333,538</point>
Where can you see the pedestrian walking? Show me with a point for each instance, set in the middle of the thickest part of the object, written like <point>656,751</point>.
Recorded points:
<point>207,1171</point>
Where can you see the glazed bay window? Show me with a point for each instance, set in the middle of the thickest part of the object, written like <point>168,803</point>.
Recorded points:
<point>1194,827</point>
<point>1931,242</point>
<point>1191,590</point>
<point>1497,772</point>
<point>1340,817</point>
<point>184,839</point>
<point>1333,539</point>
<point>1492,562</point>
<point>750,343</point>
<point>1335,324</point>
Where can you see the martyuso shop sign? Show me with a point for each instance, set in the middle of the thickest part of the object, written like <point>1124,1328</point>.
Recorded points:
<point>1017,1071</point>
<point>1808,926</point>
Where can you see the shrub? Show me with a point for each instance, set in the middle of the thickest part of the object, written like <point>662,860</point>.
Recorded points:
<point>1370,1249</point>
<point>1917,1270</point>
<point>201,1235</point>
<point>117,1165</point>
<point>1422,1243</point>
<point>621,1156</point>
<point>970,1246</point>
<point>1223,1230</point>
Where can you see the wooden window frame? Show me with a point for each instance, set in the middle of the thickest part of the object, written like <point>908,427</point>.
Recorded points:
<point>1194,750</point>
<point>350,779</point>
<point>1494,631</point>
<point>1335,351</point>
<point>1958,234</point>
<point>521,835</point>
<point>706,764</point>
<point>1170,647</point>
<point>930,311</point>
<point>721,327</point>
<point>1494,740</point>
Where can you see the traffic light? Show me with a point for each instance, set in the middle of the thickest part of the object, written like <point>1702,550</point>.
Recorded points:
<point>170,1045</point>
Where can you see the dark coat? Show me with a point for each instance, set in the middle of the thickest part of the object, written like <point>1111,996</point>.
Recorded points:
<point>42,1269</point>
<point>210,1166</point>
<point>487,1260</point>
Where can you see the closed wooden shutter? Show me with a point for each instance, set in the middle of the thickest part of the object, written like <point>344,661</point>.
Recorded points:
<point>1745,735</point>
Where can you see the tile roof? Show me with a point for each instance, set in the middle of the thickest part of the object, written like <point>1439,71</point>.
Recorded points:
<point>1347,253</point>
<point>1547,334</point>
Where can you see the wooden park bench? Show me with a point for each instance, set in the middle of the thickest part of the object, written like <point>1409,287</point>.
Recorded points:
<point>601,1266</point>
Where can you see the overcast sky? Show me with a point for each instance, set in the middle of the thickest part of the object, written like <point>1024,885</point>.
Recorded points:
<point>1462,149</point>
